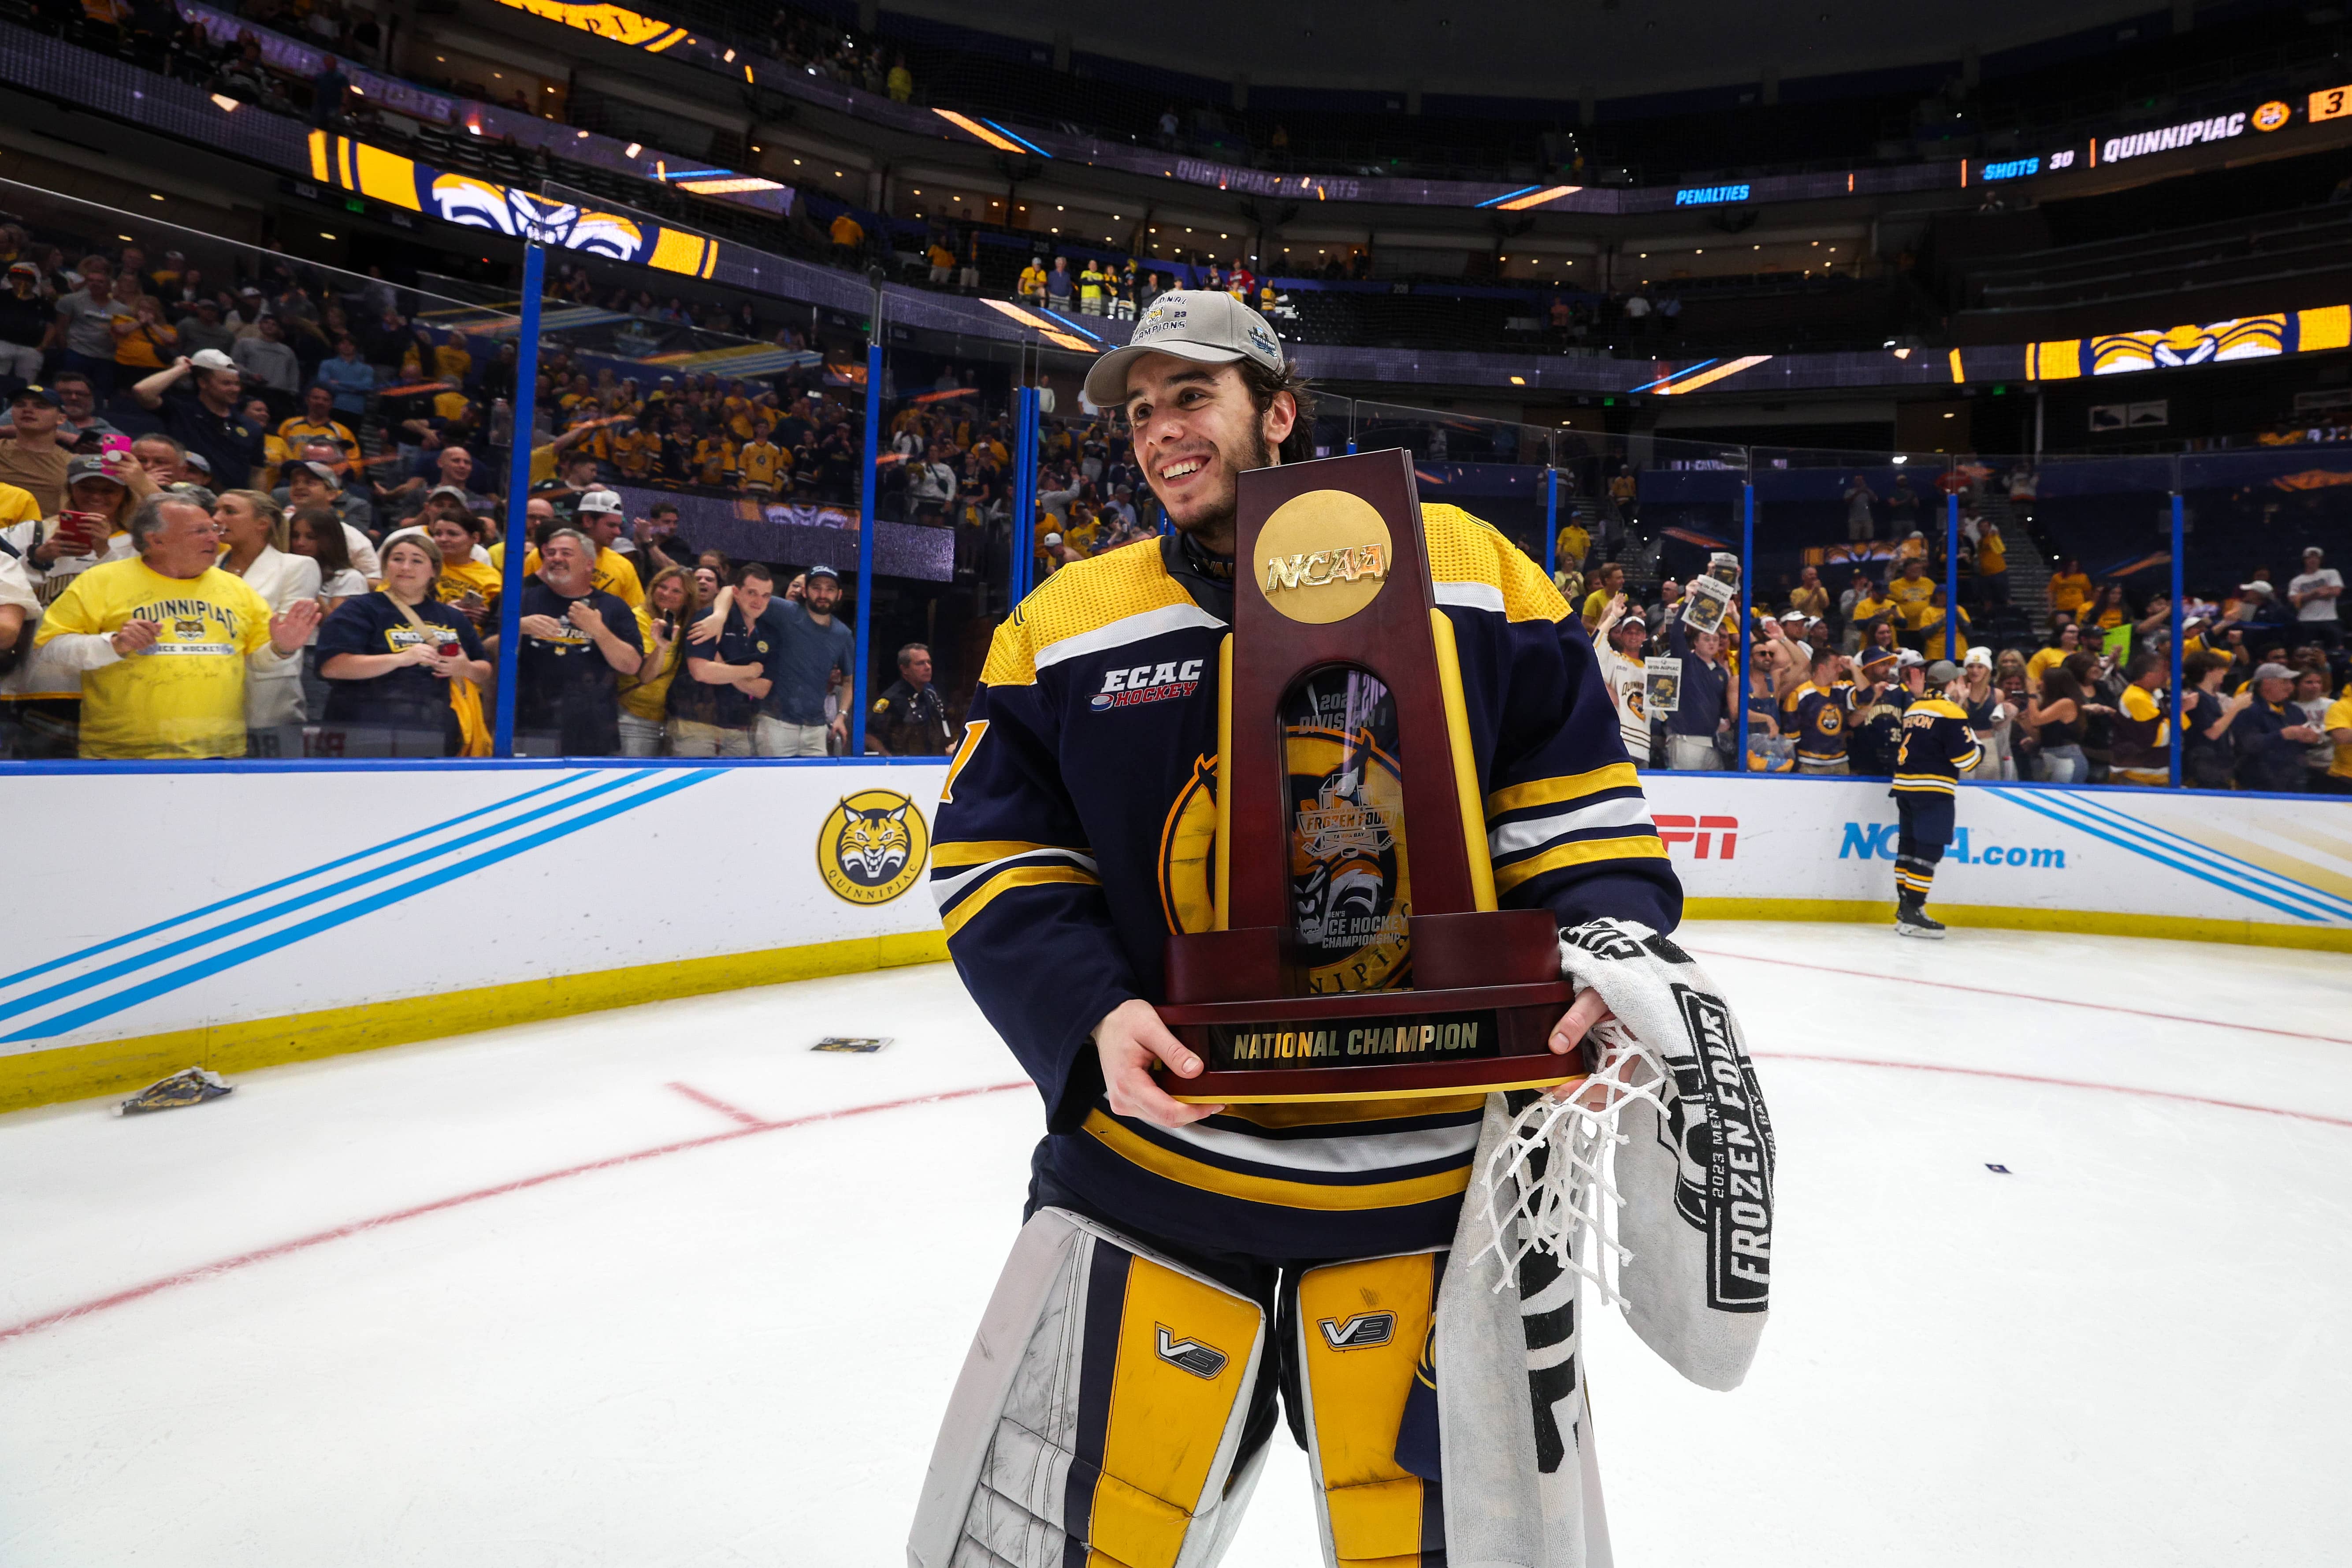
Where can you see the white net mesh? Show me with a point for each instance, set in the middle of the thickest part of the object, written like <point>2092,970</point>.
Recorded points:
<point>1550,1180</point>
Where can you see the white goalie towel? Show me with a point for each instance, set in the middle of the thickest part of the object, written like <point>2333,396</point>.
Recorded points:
<point>1691,1244</point>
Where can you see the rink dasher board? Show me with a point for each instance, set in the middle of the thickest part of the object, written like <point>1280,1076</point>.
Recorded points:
<point>2202,866</point>
<point>235,916</point>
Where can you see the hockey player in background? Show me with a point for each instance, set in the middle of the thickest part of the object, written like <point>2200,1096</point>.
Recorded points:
<point>1186,1270</point>
<point>1938,748</point>
<point>1892,679</point>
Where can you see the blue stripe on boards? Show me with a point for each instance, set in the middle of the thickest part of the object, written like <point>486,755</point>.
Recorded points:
<point>2185,868</point>
<point>162,985</point>
<point>153,956</point>
<point>7,980</point>
<point>2217,859</point>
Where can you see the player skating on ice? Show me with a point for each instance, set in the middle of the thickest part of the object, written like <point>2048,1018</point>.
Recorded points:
<point>1938,747</point>
<point>1187,1272</point>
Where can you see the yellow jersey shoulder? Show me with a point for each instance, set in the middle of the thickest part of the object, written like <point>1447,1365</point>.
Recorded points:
<point>1467,549</point>
<point>1941,707</point>
<point>1084,597</point>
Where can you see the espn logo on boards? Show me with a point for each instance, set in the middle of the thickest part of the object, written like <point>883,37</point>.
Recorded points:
<point>1699,831</point>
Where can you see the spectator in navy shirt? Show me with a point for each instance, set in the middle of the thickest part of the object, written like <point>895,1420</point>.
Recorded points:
<point>577,642</point>
<point>711,711</point>
<point>1705,711</point>
<point>813,646</point>
<point>2272,735</point>
<point>204,416</point>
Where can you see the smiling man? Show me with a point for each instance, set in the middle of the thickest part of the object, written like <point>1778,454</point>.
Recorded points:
<point>1067,849</point>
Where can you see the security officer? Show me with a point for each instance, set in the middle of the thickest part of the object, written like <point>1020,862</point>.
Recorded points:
<point>910,720</point>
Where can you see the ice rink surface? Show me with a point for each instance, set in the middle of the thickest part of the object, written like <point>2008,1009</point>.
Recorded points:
<point>656,1286</point>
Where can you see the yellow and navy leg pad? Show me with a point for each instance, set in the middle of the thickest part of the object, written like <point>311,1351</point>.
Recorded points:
<point>1099,1414</point>
<point>1364,1331</point>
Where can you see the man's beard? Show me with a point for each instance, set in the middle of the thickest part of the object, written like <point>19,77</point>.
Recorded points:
<point>1258,455</point>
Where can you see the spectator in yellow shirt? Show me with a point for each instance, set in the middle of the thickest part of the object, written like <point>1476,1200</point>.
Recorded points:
<point>164,640</point>
<point>761,460</point>
<point>2065,642</point>
<point>1607,583</point>
<point>1574,543</point>
<point>2338,723</point>
<point>714,460</point>
<point>1809,597</point>
<point>848,239</point>
<point>1032,286</point>
<point>2070,586</point>
<point>1911,592</point>
<point>1992,563</point>
<point>635,450</point>
<point>316,422</point>
<point>942,262</point>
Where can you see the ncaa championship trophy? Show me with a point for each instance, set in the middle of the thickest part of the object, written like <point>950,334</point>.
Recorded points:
<point>1358,951</point>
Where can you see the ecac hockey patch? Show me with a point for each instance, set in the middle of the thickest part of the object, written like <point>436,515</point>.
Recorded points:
<point>1144,683</point>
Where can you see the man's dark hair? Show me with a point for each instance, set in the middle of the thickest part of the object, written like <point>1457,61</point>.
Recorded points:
<point>751,569</point>
<point>2142,663</point>
<point>1823,656</point>
<point>661,506</point>
<point>1298,446</point>
<point>907,654</point>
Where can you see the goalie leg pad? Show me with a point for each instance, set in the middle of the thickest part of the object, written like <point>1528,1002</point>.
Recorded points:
<point>1099,1414</point>
<point>1363,1331</point>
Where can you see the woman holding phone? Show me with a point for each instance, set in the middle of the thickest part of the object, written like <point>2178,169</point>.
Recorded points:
<point>390,659</point>
<point>466,586</point>
<point>671,604</point>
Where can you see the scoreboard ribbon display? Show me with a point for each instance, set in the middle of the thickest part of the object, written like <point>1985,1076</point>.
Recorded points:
<point>2171,348</point>
<point>475,203</point>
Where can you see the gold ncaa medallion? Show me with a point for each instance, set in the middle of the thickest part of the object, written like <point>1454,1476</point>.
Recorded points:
<point>1322,556</point>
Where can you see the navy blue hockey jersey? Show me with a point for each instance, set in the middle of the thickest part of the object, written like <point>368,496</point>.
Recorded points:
<point>1077,830</point>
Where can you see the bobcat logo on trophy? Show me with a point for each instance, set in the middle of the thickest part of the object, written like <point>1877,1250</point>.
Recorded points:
<point>872,847</point>
<point>1336,929</point>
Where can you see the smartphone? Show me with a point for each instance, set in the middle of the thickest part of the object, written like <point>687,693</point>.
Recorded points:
<point>112,445</point>
<point>83,532</point>
<point>472,599</point>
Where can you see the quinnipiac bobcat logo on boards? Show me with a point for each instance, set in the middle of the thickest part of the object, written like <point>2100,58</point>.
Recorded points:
<point>872,847</point>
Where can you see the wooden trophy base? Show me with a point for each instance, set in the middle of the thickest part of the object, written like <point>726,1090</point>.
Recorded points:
<point>1227,1002</point>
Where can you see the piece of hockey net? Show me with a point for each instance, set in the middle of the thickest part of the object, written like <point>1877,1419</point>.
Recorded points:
<point>1550,1183</point>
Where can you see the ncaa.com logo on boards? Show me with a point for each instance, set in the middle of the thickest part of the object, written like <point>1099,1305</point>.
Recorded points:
<point>1709,837</point>
<point>1876,841</point>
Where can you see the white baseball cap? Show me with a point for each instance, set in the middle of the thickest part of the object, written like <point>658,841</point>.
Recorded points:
<point>598,501</point>
<point>211,359</point>
<point>1191,324</point>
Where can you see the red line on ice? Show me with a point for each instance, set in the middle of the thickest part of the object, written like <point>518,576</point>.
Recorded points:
<point>441,1205</point>
<point>2059,1082</point>
<point>2020,996</point>
<point>732,1113</point>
